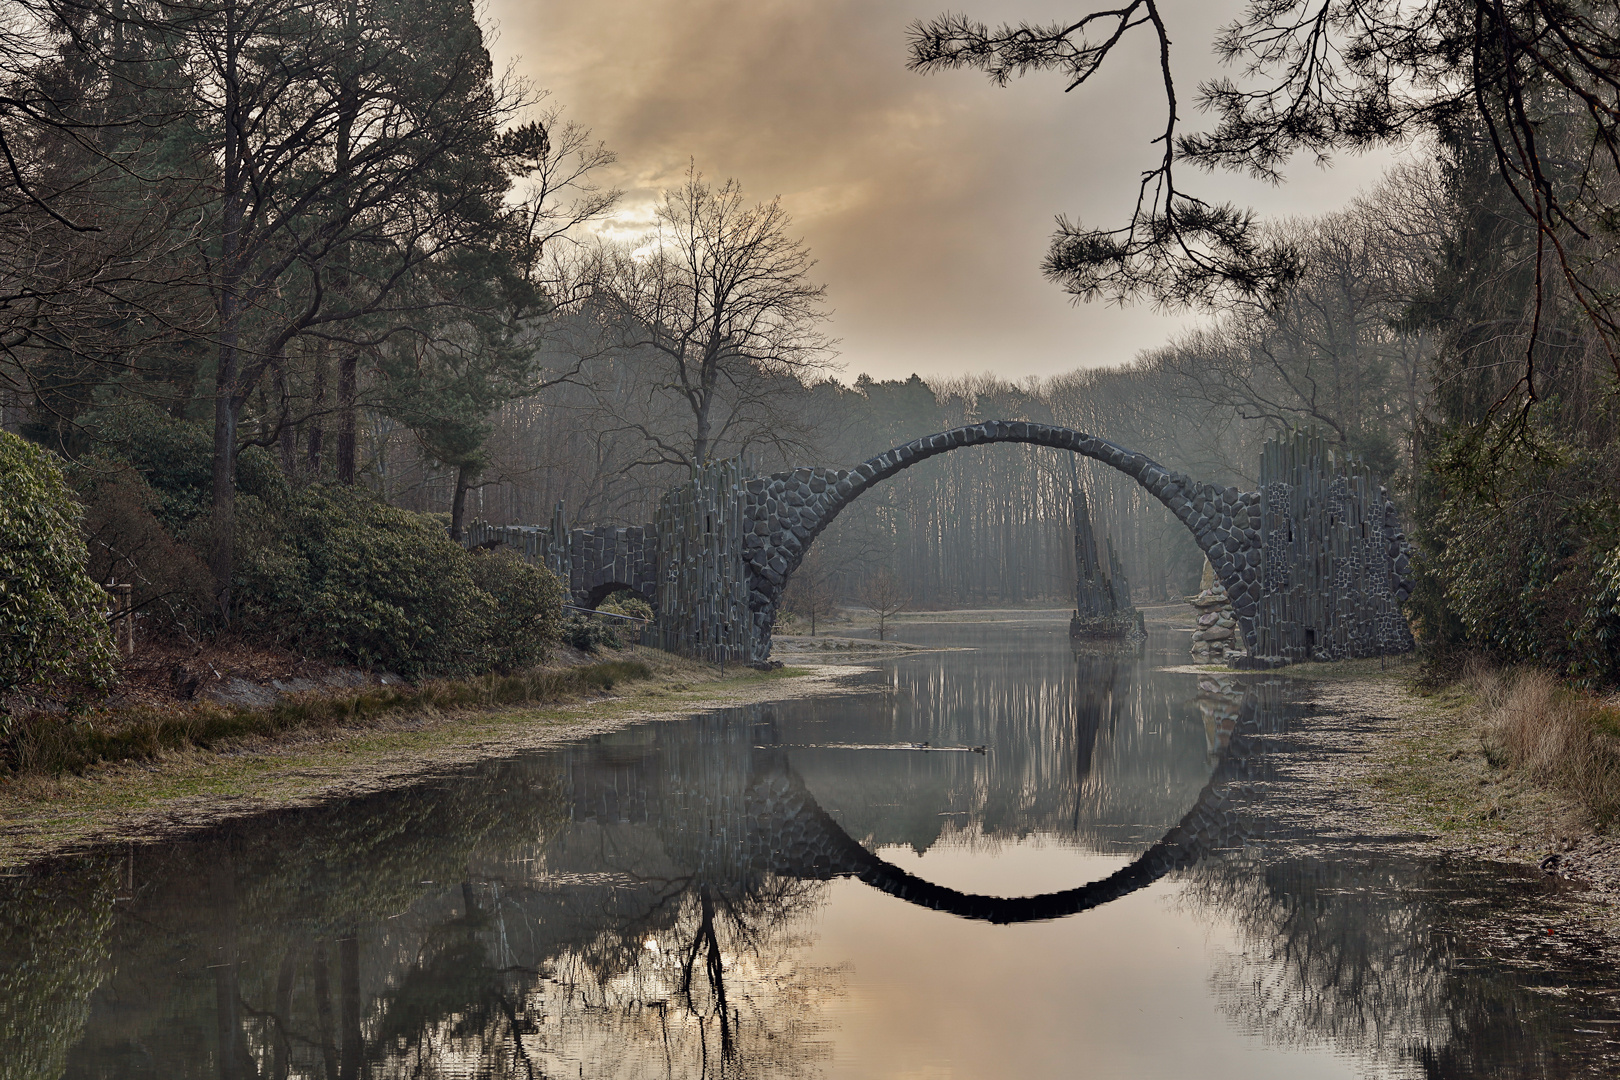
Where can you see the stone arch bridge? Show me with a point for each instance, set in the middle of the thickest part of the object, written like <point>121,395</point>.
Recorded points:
<point>1314,561</point>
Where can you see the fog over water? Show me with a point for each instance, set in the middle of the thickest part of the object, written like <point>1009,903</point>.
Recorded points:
<point>927,199</point>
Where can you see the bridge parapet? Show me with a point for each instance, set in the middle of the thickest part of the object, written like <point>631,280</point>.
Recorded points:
<point>590,563</point>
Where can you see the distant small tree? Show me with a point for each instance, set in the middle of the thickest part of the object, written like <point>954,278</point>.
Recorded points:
<point>53,623</point>
<point>883,594</point>
<point>811,593</point>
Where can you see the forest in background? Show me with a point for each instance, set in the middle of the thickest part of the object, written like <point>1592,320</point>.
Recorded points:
<point>278,279</point>
<point>994,525</point>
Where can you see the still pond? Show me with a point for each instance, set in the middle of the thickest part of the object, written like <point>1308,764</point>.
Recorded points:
<point>1009,860</point>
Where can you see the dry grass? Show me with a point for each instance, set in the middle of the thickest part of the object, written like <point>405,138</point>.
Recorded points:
<point>1556,736</point>
<point>47,744</point>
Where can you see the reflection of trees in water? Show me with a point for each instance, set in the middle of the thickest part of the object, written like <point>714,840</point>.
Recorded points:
<point>1386,958</point>
<point>1089,745</point>
<point>705,983</point>
<point>1330,953</point>
<point>717,990</point>
<point>259,951</point>
<point>467,927</point>
<point>54,929</point>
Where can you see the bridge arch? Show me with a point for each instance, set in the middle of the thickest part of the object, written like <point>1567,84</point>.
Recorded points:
<point>786,511</point>
<point>598,593</point>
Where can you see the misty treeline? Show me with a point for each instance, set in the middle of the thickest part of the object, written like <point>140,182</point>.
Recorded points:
<point>994,525</point>
<point>260,259</point>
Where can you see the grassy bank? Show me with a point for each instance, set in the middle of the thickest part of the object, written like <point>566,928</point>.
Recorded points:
<point>1564,739</point>
<point>322,753</point>
<point>1507,762</point>
<point>50,744</point>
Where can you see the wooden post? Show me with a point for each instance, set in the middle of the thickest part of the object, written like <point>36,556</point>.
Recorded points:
<point>123,617</point>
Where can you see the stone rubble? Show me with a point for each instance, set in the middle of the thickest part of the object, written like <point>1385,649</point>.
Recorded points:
<point>1216,640</point>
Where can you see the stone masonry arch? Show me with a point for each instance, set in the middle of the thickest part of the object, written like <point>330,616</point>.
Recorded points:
<point>1314,562</point>
<point>598,593</point>
<point>785,512</point>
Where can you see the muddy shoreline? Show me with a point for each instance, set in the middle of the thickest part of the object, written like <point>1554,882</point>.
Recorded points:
<point>137,802</point>
<point>1375,758</point>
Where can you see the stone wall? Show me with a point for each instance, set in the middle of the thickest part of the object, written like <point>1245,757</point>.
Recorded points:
<point>1335,564</point>
<point>592,563</point>
<point>703,585</point>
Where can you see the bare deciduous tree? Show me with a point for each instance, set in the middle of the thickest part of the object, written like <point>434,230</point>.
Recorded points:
<point>885,597</point>
<point>812,591</point>
<point>719,306</point>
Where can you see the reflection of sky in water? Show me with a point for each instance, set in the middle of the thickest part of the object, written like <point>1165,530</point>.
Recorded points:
<point>1121,991</point>
<point>672,900</point>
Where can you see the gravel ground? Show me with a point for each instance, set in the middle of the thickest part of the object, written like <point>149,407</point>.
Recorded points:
<point>1383,759</point>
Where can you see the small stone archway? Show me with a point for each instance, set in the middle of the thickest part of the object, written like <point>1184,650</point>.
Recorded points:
<point>785,512</point>
<point>599,592</point>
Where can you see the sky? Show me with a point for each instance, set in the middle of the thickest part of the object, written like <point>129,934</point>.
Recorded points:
<point>927,200</point>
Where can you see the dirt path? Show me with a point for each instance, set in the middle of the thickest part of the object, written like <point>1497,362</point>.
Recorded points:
<point>144,801</point>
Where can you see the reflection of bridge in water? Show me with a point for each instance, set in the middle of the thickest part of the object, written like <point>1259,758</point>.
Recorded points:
<point>774,825</point>
<point>642,899</point>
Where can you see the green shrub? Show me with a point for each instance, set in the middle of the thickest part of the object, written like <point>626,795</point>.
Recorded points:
<point>53,624</point>
<point>588,634</point>
<point>174,457</point>
<point>176,460</point>
<point>527,616</point>
<point>625,602</point>
<point>1522,555</point>
<point>332,571</point>
<point>128,543</point>
<point>1599,628</point>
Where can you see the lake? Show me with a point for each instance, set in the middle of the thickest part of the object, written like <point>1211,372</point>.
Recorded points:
<point>1014,858</point>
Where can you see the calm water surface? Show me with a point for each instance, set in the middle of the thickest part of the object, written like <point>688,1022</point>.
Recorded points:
<point>839,887</point>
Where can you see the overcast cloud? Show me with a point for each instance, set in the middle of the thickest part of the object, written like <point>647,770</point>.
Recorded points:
<point>927,200</point>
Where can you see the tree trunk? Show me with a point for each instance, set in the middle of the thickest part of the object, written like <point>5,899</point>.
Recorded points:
<point>354,1050</point>
<point>223,541</point>
<point>222,545</point>
<point>235,1059</point>
<point>347,108</point>
<point>317,432</point>
<point>346,449</point>
<point>281,1064</point>
<point>287,436</point>
<point>465,475</point>
<point>323,1012</point>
